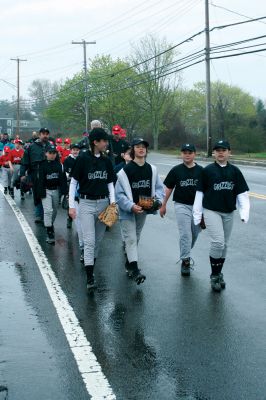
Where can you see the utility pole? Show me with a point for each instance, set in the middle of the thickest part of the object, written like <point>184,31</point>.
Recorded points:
<point>18,60</point>
<point>208,80</point>
<point>84,43</point>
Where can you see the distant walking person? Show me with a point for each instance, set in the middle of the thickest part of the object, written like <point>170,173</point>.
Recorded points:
<point>52,184</point>
<point>34,155</point>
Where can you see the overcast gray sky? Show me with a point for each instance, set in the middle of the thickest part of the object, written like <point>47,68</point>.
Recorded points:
<point>42,31</point>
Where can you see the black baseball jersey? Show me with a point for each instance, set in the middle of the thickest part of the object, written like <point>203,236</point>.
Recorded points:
<point>140,179</point>
<point>184,180</point>
<point>69,164</point>
<point>220,186</point>
<point>51,174</point>
<point>93,174</point>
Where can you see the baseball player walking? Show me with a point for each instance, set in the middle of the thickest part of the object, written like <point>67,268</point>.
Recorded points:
<point>94,174</point>
<point>221,187</point>
<point>183,180</point>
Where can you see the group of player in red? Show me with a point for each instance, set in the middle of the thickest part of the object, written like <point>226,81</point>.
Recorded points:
<point>63,149</point>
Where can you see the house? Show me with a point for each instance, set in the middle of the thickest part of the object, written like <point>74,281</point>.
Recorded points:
<point>26,127</point>
<point>6,125</point>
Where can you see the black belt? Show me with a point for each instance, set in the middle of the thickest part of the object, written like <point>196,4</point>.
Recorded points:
<point>93,197</point>
<point>53,188</point>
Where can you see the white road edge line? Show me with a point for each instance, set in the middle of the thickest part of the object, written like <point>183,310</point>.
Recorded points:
<point>95,381</point>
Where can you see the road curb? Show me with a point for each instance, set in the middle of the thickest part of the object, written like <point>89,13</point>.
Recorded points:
<point>232,160</point>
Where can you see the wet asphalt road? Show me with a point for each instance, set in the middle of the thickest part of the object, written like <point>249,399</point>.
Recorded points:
<point>171,338</point>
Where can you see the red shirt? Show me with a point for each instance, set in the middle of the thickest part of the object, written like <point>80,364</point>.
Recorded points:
<point>64,154</point>
<point>4,160</point>
<point>16,156</point>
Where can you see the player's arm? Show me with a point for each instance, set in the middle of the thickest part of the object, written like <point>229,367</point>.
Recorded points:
<point>10,165</point>
<point>243,205</point>
<point>168,192</point>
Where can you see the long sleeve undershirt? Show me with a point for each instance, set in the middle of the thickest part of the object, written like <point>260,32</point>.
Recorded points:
<point>242,203</point>
<point>73,189</point>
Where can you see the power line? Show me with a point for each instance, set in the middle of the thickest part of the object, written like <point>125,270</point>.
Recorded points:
<point>155,56</point>
<point>234,12</point>
<point>237,23</point>
<point>66,44</point>
<point>238,42</point>
<point>239,54</point>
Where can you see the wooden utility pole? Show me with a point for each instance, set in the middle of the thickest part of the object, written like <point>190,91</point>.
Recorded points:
<point>208,80</point>
<point>84,43</point>
<point>18,60</point>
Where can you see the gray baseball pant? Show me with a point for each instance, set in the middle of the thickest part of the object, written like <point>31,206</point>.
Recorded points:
<point>188,231</point>
<point>131,230</point>
<point>15,174</point>
<point>50,205</point>
<point>92,228</point>
<point>219,227</point>
<point>6,177</point>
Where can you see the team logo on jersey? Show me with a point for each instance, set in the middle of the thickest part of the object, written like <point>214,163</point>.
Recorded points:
<point>54,175</point>
<point>189,182</point>
<point>224,186</point>
<point>97,175</point>
<point>141,184</point>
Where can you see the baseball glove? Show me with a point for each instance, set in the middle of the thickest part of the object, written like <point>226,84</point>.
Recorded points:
<point>109,216</point>
<point>145,202</point>
<point>202,223</point>
<point>65,202</point>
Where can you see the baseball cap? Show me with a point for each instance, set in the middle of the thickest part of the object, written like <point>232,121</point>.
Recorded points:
<point>7,149</point>
<point>116,129</point>
<point>75,146</point>
<point>44,130</point>
<point>126,147</point>
<point>188,147</point>
<point>98,134</point>
<point>136,141</point>
<point>51,149</point>
<point>222,144</point>
<point>123,133</point>
<point>59,140</point>
<point>18,141</point>
<point>67,141</point>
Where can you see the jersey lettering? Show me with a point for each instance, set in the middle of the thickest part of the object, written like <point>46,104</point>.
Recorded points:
<point>97,175</point>
<point>224,186</point>
<point>141,184</point>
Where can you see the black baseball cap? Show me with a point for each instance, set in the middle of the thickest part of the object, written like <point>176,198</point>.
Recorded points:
<point>222,144</point>
<point>126,148</point>
<point>188,147</point>
<point>137,141</point>
<point>75,146</point>
<point>98,134</point>
<point>44,130</point>
<point>51,149</point>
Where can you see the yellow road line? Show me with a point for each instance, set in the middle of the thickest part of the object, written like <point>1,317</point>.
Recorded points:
<point>251,194</point>
<point>257,195</point>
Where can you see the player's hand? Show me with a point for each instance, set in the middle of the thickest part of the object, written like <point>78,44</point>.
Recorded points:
<point>137,209</point>
<point>22,178</point>
<point>163,210</point>
<point>72,213</point>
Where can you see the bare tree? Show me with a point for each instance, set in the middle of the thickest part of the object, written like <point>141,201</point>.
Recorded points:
<point>158,77</point>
